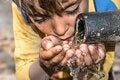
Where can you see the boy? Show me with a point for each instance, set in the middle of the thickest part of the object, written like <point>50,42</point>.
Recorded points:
<point>56,19</point>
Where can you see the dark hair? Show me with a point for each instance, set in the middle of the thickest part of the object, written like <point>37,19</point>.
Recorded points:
<point>42,8</point>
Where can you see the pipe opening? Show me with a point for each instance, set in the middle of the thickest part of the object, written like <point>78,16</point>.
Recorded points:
<point>80,31</point>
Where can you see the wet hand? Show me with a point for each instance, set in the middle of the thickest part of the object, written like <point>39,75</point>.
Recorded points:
<point>55,52</point>
<point>88,54</point>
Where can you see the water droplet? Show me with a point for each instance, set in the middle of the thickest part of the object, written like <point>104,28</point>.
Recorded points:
<point>98,34</point>
<point>102,28</point>
<point>86,17</point>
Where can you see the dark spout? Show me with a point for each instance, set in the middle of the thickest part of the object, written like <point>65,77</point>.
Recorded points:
<point>98,27</point>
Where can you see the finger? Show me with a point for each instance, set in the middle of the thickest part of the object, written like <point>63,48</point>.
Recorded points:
<point>85,52</point>
<point>66,47</point>
<point>89,52</point>
<point>80,58</point>
<point>50,41</point>
<point>54,61</point>
<point>65,42</point>
<point>55,40</point>
<point>93,52</point>
<point>57,59</point>
<point>80,63</point>
<point>84,49</point>
<point>78,53</point>
<point>101,45</point>
<point>93,49</point>
<point>100,56</point>
<point>68,55</point>
<point>101,52</point>
<point>46,44</point>
<point>88,59</point>
<point>48,54</point>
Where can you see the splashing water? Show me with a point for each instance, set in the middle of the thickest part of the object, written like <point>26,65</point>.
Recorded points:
<point>83,73</point>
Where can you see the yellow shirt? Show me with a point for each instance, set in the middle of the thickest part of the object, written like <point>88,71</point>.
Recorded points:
<point>27,46</point>
<point>117,3</point>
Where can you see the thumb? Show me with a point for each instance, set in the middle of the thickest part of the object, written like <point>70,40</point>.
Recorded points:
<point>46,44</point>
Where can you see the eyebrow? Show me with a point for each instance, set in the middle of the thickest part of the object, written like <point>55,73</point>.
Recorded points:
<point>71,4</point>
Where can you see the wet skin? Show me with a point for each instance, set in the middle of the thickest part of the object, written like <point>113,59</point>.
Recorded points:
<point>57,47</point>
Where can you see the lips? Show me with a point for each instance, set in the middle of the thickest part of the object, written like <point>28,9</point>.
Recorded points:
<point>68,35</point>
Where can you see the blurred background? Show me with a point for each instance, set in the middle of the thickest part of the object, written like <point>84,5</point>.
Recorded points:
<point>7,68</point>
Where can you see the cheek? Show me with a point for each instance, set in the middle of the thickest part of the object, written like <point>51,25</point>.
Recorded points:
<point>71,21</point>
<point>45,28</point>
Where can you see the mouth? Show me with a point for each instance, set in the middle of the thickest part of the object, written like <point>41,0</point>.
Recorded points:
<point>65,37</point>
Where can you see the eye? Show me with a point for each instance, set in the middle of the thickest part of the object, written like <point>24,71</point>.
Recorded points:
<point>40,19</point>
<point>72,11</point>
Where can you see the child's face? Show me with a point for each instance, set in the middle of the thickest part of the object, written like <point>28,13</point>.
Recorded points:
<point>63,26</point>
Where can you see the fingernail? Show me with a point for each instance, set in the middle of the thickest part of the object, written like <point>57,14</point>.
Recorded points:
<point>58,48</point>
<point>49,45</point>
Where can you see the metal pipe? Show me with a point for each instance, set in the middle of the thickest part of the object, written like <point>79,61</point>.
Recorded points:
<point>96,27</point>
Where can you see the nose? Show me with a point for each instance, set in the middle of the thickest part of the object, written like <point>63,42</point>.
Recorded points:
<point>60,25</point>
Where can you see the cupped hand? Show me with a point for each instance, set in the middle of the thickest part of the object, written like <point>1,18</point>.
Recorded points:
<point>55,52</point>
<point>88,54</point>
